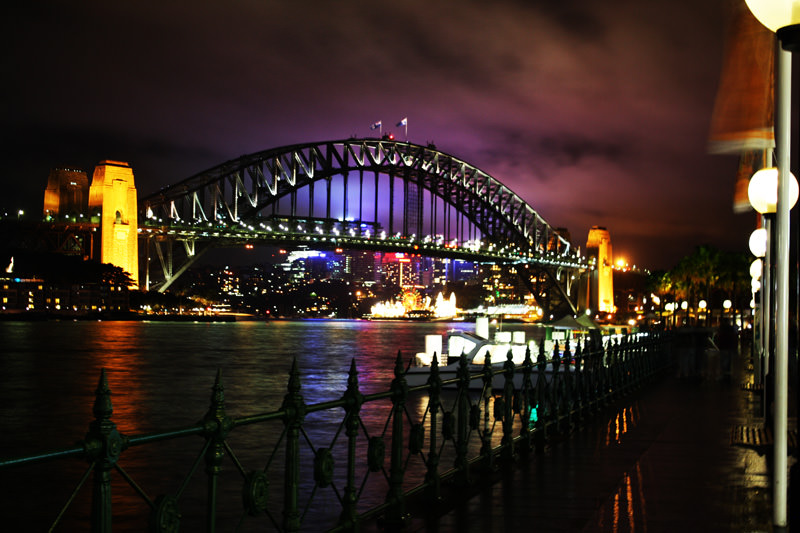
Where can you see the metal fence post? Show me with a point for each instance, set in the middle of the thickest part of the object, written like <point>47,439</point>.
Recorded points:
<point>216,427</point>
<point>486,396</point>
<point>506,412</point>
<point>613,369</point>
<point>295,410</point>
<point>523,404</point>
<point>580,386</point>
<point>102,446</point>
<point>434,400</point>
<point>556,391</point>
<point>353,401</point>
<point>543,404</point>
<point>462,417</point>
<point>569,391</point>
<point>395,516</point>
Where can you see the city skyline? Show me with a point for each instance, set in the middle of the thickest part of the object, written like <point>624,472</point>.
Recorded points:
<point>597,116</point>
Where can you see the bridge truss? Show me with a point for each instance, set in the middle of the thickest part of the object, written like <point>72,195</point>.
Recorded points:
<point>376,194</point>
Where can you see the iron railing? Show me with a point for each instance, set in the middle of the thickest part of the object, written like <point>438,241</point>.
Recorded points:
<point>323,466</point>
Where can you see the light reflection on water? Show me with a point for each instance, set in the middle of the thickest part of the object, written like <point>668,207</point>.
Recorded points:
<point>161,374</point>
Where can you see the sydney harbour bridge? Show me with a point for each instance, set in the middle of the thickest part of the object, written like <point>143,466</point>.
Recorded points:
<point>355,194</point>
<point>368,194</point>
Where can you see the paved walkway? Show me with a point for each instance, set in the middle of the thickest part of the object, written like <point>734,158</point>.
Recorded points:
<point>663,464</point>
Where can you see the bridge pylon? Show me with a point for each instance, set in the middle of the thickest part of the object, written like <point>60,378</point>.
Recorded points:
<point>113,193</point>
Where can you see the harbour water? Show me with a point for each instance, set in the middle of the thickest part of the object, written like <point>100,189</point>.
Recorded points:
<point>161,373</point>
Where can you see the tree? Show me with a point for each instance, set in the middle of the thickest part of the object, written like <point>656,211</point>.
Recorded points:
<point>706,274</point>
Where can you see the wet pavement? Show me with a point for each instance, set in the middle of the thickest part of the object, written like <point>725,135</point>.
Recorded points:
<point>665,462</point>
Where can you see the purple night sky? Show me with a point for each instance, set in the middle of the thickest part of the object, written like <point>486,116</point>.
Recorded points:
<point>596,113</point>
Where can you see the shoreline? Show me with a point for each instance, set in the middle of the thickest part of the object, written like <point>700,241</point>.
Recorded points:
<point>113,316</point>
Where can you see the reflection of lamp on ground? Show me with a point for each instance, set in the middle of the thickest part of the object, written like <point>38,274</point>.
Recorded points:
<point>782,17</point>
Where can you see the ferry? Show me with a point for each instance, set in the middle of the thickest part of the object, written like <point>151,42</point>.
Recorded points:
<point>475,346</point>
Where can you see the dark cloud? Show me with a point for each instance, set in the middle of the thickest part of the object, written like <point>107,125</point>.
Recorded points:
<point>572,150</point>
<point>593,113</point>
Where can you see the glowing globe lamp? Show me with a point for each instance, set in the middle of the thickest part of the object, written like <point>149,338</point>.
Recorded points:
<point>775,14</point>
<point>756,267</point>
<point>763,190</point>
<point>758,242</point>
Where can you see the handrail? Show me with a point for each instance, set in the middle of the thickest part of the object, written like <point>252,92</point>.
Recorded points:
<point>329,466</point>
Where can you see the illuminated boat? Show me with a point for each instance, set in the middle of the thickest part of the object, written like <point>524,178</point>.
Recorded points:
<point>475,347</point>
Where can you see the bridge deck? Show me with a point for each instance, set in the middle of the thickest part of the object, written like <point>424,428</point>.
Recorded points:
<point>667,463</point>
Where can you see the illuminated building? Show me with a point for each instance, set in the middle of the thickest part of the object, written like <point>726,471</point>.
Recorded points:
<point>601,281</point>
<point>401,269</point>
<point>304,264</point>
<point>113,194</point>
<point>463,270</point>
<point>363,265</point>
<point>67,193</point>
<point>38,296</point>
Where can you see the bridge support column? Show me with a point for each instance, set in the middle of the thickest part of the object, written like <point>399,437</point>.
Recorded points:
<point>113,193</point>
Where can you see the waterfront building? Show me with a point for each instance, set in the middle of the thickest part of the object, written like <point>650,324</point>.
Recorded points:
<point>33,295</point>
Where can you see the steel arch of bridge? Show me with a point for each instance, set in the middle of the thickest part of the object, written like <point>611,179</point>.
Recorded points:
<point>358,193</point>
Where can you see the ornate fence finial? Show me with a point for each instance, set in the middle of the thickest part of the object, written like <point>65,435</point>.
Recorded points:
<point>399,369</point>
<point>216,409</point>
<point>102,408</point>
<point>352,395</point>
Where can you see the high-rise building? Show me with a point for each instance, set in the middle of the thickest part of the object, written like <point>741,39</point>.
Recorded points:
<point>401,269</point>
<point>363,265</point>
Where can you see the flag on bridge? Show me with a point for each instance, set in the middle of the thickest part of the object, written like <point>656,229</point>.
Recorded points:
<point>402,123</point>
<point>376,125</point>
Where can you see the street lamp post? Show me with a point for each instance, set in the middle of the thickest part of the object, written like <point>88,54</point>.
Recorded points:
<point>759,247</point>
<point>782,17</point>
<point>763,195</point>
<point>756,274</point>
